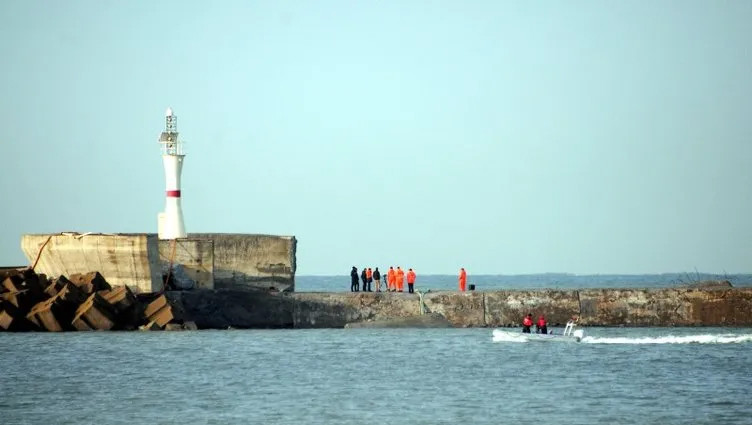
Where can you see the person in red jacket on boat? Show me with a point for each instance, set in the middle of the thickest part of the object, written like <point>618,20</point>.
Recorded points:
<point>527,322</point>
<point>541,325</point>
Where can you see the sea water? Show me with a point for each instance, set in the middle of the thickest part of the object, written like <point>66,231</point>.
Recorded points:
<point>376,376</point>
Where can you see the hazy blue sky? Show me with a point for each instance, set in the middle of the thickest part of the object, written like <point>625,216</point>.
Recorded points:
<point>506,137</point>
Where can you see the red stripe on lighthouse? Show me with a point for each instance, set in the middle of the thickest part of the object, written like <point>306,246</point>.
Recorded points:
<point>173,194</point>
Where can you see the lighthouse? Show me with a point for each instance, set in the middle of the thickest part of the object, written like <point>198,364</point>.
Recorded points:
<point>170,222</point>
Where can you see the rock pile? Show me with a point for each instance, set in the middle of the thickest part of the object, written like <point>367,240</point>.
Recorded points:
<point>80,302</point>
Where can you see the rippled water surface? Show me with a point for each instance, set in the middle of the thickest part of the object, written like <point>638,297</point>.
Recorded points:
<point>354,376</point>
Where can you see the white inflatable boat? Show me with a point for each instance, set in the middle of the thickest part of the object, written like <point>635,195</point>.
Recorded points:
<point>570,334</point>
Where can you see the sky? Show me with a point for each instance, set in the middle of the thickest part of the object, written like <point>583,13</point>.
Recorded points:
<point>504,137</point>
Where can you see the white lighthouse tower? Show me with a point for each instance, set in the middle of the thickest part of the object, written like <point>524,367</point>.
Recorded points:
<point>170,222</point>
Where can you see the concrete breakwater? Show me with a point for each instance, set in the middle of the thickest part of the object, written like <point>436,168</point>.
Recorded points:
<point>220,309</point>
<point>32,302</point>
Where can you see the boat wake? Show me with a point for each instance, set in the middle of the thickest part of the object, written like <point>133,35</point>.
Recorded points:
<point>504,336</point>
<point>671,339</point>
<point>507,336</point>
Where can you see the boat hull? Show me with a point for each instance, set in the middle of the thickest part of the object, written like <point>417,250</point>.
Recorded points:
<point>502,335</point>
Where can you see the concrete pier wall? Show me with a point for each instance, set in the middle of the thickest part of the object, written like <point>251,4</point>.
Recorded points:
<point>252,261</point>
<point>190,262</point>
<point>126,259</point>
<point>594,307</point>
<point>667,307</point>
<point>201,261</point>
<point>334,310</point>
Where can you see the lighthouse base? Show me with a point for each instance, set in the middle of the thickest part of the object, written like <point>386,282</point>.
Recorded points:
<point>169,226</point>
<point>161,218</point>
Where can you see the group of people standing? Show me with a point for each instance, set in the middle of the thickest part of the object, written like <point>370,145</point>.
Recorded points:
<point>541,325</point>
<point>395,279</point>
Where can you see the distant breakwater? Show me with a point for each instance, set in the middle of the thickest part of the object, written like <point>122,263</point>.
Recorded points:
<point>713,306</point>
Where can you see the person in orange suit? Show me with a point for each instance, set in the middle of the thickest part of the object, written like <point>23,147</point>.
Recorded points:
<point>391,278</point>
<point>463,279</point>
<point>410,281</point>
<point>400,279</point>
<point>369,278</point>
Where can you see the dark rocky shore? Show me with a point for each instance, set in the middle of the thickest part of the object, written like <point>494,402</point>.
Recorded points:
<point>32,302</point>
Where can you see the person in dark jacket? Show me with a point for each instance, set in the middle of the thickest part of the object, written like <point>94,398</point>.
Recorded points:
<point>354,280</point>
<point>377,278</point>
<point>364,278</point>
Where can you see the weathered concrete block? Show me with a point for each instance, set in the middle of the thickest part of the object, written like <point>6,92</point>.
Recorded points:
<point>163,316</point>
<point>335,310</point>
<point>508,308</point>
<point>43,314</point>
<point>6,319</point>
<point>86,288</point>
<point>151,326</point>
<point>121,297</point>
<point>320,310</point>
<point>26,299</point>
<point>70,294</point>
<point>13,320</point>
<point>53,288</point>
<point>192,262</point>
<point>89,282</point>
<point>65,304</point>
<point>462,309</point>
<point>721,307</point>
<point>223,308</point>
<point>27,289</point>
<point>125,259</point>
<point>8,314</point>
<point>127,309</point>
<point>80,324</point>
<point>56,285</point>
<point>430,320</point>
<point>35,283</point>
<point>95,314</point>
<point>9,271</point>
<point>34,321</point>
<point>243,261</point>
<point>11,297</point>
<point>13,283</point>
<point>633,307</point>
<point>155,306</point>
